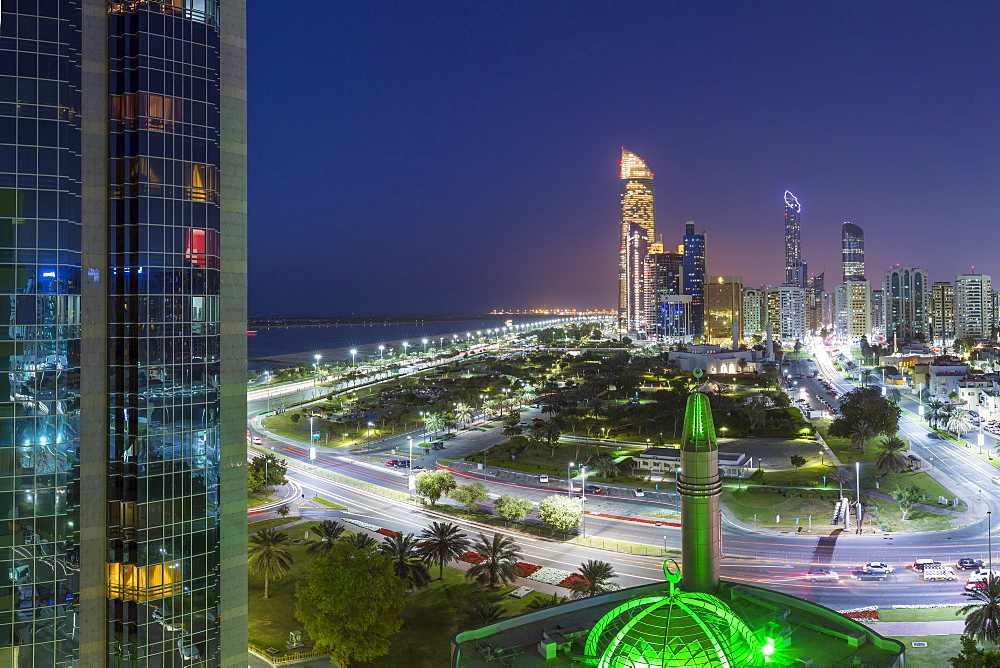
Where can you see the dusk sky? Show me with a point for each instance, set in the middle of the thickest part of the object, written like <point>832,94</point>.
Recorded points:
<point>428,157</point>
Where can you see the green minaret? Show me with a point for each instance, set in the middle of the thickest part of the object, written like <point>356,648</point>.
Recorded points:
<point>699,485</point>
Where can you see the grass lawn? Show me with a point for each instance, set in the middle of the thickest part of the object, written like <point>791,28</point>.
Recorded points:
<point>888,515</point>
<point>328,504</point>
<point>255,499</point>
<point>254,527</point>
<point>745,506</point>
<point>939,649</point>
<point>845,450</point>
<point>920,615</point>
<point>931,487</point>
<point>807,476</point>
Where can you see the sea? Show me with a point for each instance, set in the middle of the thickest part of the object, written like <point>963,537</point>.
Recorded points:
<point>300,343</point>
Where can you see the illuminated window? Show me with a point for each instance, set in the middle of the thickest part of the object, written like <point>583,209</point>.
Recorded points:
<point>202,183</point>
<point>201,248</point>
<point>146,110</point>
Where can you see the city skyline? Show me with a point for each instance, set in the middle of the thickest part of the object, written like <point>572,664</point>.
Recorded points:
<point>442,137</point>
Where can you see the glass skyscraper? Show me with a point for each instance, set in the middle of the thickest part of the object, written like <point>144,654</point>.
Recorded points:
<point>694,275</point>
<point>122,281</point>
<point>852,239</point>
<point>796,272</point>
<point>637,206</point>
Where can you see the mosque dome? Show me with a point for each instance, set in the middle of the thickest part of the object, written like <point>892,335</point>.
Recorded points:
<point>673,630</point>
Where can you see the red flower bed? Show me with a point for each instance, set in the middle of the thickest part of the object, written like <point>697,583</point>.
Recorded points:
<point>472,557</point>
<point>576,577</point>
<point>388,532</point>
<point>863,615</point>
<point>523,569</point>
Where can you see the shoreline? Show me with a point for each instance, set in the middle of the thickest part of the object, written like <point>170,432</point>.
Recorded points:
<point>342,354</point>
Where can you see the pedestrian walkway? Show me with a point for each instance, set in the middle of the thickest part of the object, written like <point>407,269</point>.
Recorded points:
<point>954,628</point>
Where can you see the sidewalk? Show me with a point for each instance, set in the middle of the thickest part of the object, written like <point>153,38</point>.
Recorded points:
<point>954,628</point>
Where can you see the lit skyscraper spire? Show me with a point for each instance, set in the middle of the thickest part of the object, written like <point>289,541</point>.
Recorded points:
<point>853,251</point>
<point>636,207</point>
<point>795,266</point>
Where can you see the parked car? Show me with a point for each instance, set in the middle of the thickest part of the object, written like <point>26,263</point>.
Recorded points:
<point>543,478</point>
<point>639,492</point>
<point>257,440</point>
<point>822,575</point>
<point>969,564</point>
<point>877,566</point>
<point>392,462</point>
<point>594,489</point>
<point>920,564</point>
<point>869,575</point>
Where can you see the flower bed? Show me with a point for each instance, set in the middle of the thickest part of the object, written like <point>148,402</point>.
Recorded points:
<point>388,532</point>
<point>869,614</point>
<point>576,577</point>
<point>548,575</point>
<point>472,558</point>
<point>524,570</point>
<point>363,525</point>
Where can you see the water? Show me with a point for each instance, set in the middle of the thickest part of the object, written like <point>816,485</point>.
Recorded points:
<point>269,343</point>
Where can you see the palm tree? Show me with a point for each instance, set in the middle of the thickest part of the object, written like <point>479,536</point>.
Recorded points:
<point>894,395</point>
<point>499,566</point>
<point>982,620</point>
<point>605,465</point>
<point>889,460</point>
<point>540,601</point>
<point>433,422</point>
<point>595,578</point>
<point>861,434</point>
<point>406,560</point>
<point>511,430</point>
<point>267,556</point>
<point>360,540</point>
<point>463,413</point>
<point>327,532</point>
<point>936,411</point>
<point>958,421</point>
<point>441,543</point>
<point>866,376</point>
<point>844,476</point>
<point>486,612</point>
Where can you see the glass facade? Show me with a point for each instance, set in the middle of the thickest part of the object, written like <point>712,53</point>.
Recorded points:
<point>154,551</point>
<point>694,276</point>
<point>852,239</point>
<point>40,191</point>
<point>796,271</point>
<point>637,206</point>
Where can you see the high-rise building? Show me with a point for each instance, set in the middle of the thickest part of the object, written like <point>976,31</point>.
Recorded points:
<point>723,308</point>
<point>772,309</point>
<point>123,224</point>
<point>664,273</point>
<point>973,305</point>
<point>905,295</point>
<point>796,271</point>
<point>637,206</point>
<point>853,252</point>
<point>676,318</point>
<point>942,310</point>
<point>694,275</point>
<point>753,311</point>
<point>878,315</point>
<point>791,313</point>
<point>637,249</point>
<point>854,311</point>
<point>815,289</point>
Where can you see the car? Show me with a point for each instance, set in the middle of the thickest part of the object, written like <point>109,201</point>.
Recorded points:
<point>392,462</point>
<point>822,575</point>
<point>418,468</point>
<point>257,440</point>
<point>639,492</point>
<point>969,564</point>
<point>869,575</point>
<point>877,566</point>
<point>543,478</point>
<point>537,420</point>
<point>933,434</point>
<point>920,564</point>
<point>594,489</point>
<point>939,573</point>
<point>404,463</point>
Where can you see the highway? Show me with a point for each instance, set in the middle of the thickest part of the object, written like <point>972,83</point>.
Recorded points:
<point>775,560</point>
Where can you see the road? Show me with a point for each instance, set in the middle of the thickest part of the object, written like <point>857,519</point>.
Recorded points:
<point>775,560</point>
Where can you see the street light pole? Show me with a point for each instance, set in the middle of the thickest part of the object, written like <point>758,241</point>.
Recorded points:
<point>569,481</point>
<point>583,510</point>
<point>354,351</point>
<point>857,478</point>
<point>989,538</point>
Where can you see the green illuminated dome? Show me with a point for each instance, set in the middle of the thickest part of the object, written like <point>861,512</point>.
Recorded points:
<point>674,630</point>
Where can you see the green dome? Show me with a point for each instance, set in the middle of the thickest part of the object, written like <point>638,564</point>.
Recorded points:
<point>673,630</point>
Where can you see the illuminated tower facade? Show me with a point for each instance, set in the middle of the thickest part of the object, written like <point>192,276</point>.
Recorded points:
<point>905,298</point>
<point>723,308</point>
<point>796,272</point>
<point>973,305</point>
<point>637,207</point>
<point>942,310</point>
<point>123,224</point>
<point>635,278</point>
<point>699,485</point>
<point>694,275</point>
<point>852,242</point>
<point>664,273</point>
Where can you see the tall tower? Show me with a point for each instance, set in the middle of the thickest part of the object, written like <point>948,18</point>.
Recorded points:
<point>699,486</point>
<point>122,452</point>
<point>796,272</point>
<point>973,305</point>
<point>905,298</point>
<point>852,241</point>
<point>637,206</point>
<point>694,275</point>
<point>637,249</point>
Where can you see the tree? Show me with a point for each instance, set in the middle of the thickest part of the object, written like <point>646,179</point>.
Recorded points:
<point>511,430</point>
<point>512,508</point>
<point>360,540</point>
<point>442,543</point>
<point>936,412</point>
<point>560,512</point>
<point>350,602</point>
<point>433,422</point>
<point>894,395</point>
<point>907,497</point>
<point>844,476</point>
<point>973,656</point>
<point>295,417</point>
<point>327,532</point>
<point>432,484</point>
<point>470,495</point>
<point>594,579</point>
<point>540,601</point>
<point>866,405</point>
<point>268,557</point>
<point>265,471</point>
<point>486,612</point>
<point>798,461</point>
<point>282,510</point>
<point>407,562</point>
<point>605,465</point>
<point>958,421</point>
<point>982,620</point>
<point>889,458</point>
<point>866,377</point>
<point>463,413</point>
<point>501,555</point>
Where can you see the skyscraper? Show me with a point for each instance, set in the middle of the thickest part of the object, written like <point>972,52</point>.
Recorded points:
<point>796,271</point>
<point>123,219</point>
<point>753,311</point>
<point>637,206</point>
<point>904,302</point>
<point>854,310</point>
<point>942,310</point>
<point>853,252</point>
<point>694,275</point>
<point>815,290</point>
<point>723,308</point>
<point>635,278</point>
<point>973,305</point>
<point>664,273</point>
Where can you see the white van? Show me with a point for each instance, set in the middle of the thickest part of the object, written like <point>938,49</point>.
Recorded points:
<point>543,478</point>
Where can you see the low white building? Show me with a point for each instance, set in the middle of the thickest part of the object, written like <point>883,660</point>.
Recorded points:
<point>714,360</point>
<point>665,460</point>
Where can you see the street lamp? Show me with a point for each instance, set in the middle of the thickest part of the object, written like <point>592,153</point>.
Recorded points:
<point>569,480</point>
<point>989,538</point>
<point>424,341</point>
<point>354,351</point>
<point>583,509</point>
<point>368,445</point>
<point>406,344</point>
<point>381,351</point>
